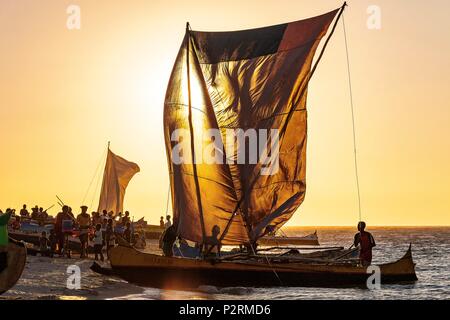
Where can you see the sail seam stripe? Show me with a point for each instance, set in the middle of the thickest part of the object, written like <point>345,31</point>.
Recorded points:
<point>186,106</point>
<point>220,183</point>
<point>260,56</point>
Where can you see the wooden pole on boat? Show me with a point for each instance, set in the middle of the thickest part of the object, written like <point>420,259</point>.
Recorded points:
<point>107,189</point>
<point>191,128</point>
<point>60,202</point>
<point>49,208</point>
<point>346,254</point>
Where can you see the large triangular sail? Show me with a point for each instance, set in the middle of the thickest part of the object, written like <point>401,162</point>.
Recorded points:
<point>248,83</point>
<point>117,174</point>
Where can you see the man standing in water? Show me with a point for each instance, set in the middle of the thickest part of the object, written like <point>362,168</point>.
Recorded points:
<point>366,242</point>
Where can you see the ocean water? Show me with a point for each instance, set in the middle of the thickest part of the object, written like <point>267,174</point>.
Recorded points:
<point>431,252</point>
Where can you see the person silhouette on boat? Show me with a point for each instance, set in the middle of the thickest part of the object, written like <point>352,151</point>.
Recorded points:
<point>168,223</point>
<point>126,219</point>
<point>42,216</point>
<point>35,213</point>
<point>24,212</point>
<point>366,242</point>
<point>212,243</point>
<point>168,239</point>
<point>161,222</point>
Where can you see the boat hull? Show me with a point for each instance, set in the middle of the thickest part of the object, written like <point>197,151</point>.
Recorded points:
<point>10,273</point>
<point>175,273</point>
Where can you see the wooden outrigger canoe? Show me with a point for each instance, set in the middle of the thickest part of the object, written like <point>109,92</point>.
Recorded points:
<point>33,239</point>
<point>309,240</point>
<point>177,273</point>
<point>13,258</point>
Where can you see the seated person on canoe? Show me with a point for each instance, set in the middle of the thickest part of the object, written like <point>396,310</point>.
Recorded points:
<point>139,240</point>
<point>15,225</point>
<point>44,245</point>
<point>42,216</point>
<point>366,242</point>
<point>53,240</point>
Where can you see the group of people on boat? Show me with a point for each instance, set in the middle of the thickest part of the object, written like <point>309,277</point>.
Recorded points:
<point>99,229</point>
<point>37,213</point>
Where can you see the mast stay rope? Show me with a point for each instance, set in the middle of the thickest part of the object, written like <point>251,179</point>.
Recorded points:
<point>353,120</point>
<point>96,172</point>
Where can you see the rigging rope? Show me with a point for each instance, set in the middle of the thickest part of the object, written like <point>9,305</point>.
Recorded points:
<point>353,120</point>
<point>167,204</point>
<point>96,189</point>
<point>99,175</point>
<point>270,265</point>
<point>93,178</point>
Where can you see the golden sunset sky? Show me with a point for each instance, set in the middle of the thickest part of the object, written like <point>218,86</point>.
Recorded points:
<point>65,93</point>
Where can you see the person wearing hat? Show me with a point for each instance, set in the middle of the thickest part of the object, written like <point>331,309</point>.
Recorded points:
<point>35,213</point>
<point>84,222</point>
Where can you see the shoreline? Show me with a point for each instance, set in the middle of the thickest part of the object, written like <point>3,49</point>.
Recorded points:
<point>46,279</point>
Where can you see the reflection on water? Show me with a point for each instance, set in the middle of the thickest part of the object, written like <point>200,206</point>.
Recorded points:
<point>71,298</point>
<point>431,251</point>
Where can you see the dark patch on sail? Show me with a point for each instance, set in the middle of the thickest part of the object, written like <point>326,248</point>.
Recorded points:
<point>215,47</point>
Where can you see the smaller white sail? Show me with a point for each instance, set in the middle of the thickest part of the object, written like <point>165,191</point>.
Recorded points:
<point>117,175</point>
